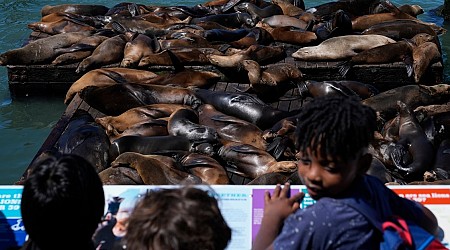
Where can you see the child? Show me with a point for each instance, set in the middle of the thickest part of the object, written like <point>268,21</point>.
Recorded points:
<point>177,218</point>
<point>62,204</point>
<point>332,137</point>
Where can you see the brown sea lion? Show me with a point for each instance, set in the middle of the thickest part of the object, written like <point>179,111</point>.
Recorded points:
<point>413,10</point>
<point>403,28</point>
<point>151,127</point>
<point>289,35</point>
<point>78,51</point>
<point>41,50</point>
<point>138,115</point>
<point>108,52</point>
<point>120,176</point>
<point>231,128</point>
<point>272,178</point>
<point>285,20</point>
<point>107,77</point>
<point>64,25</point>
<point>243,106</point>
<point>118,98</point>
<point>413,137</point>
<point>424,55</point>
<point>206,168</point>
<point>341,47</point>
<point>366,21</point>
<point>187,56</point>
<point>385,103</point>
<point>182,39</point>
<point>252,162</point>
<point>81,9</point>
<point>185,122</point>
<point>155,169</point>
<point>138,47</point>
<point>288,8</point>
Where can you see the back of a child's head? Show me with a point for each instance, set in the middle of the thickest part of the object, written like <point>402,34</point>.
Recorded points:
<point>62,194</point>
<point>177,218</point>
<point>340,125</point>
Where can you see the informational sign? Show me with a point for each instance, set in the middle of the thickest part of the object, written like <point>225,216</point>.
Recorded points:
<point>241,205</point>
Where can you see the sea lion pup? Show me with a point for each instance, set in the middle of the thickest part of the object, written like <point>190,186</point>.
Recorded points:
<point>81,9</point>
<point>41,50</point>
<point>78,51</point>
<point>185,122</point>
<point>363,22</point>
<point>401,51</point>
<point>243,106</point>
<point>252,162</point>
<point>311,88</point>
<point>415,140</point>
<point>136,48</point>
<point>341,47</point>
<point>206,168</point>
<point>289,35</point>
<point>385,103</point>
<point>424,55</point>
<point>108,52</point>
<point>231,128</point>
<point>138,115</point>
<point>155,169</point>
<point>106,77</point>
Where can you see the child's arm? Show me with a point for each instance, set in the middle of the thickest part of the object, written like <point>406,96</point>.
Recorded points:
<point>276,208</point>
<point>429,222</point>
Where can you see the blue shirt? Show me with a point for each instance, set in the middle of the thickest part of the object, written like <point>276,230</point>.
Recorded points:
<point>330,224</point>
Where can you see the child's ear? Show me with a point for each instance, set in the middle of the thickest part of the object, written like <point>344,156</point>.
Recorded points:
<point>364,163</point>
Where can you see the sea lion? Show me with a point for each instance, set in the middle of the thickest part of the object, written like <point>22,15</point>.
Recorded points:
<point>120,175</point>
<point>252,162</point>
<point>155,169</point>
<point>403,28</point>
<point>41,50</point>
<point>285,20</point>
<point>290,9</point>
<point>64,25</point>
<point>340,24</point>
<point>108,52</point>
<point>148,145</point>
<point>151,127</point>
<point>231,20</point>
<point>311,88</point>
<point>118,98</point>
<point>413,10</point>
<point>206,168</point>
<point>231,128</point>
<point>138,47</point>
<point>379,170</point>
<point>78,51</point>
<point>84,137</point>
<point>187,56</point>
<point>138,115</point>
<point>413,137</point>
<point>81,9</point>
<point>442,157</point>
<point>185,122</point>
<point>290,35</point>
<point>243,106</point>
<point>342,47</point>
<point>106,77</point>
<point>401,51</point>
<point>424,55</point>
<point>71,57</point>
<point>258,13</point>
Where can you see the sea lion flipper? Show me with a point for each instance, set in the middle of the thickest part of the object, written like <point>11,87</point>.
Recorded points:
<point>175,61</point>
<point>344,67</point>
<point>408,61</point>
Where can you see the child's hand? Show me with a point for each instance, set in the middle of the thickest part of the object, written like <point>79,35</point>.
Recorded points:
<point>280,205</point>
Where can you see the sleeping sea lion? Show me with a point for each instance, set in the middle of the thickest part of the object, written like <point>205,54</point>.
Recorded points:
<point>41,50</point>
<point>341,47</point>
<point>258,13</point>
<point>155,169</point>
<point>285,20</point>
<point>81,9</point>
<point>424,55</point>
<point>120,175</point>
<point>78,51</point>
<point>138,47</point>
<point>310,88</point>
<point>206,168</point>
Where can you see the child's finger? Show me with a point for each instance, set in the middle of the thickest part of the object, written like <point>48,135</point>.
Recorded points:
<point>286,191</point>
<point>276,191</point>
<point>267,196</point>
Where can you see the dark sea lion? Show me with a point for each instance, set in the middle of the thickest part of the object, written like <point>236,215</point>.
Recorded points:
<point>379,170</point>
<point>231,128</point>
<point>401,51</point>
<point>341,47</point>
<point>81,9</point>
<point>231,20</point>
<point>311,88</point>
<point>399,29</point>
<point>41,50</point>
<point>340,24</point>
<point>107,77</point>
<point>243,106</point>
<point>108,52</point>
<point>206,168</point>
<point>116,99</point>
<point>442,157</point>
<point>185,123</point>
<point>412,135</point>
<point>285,20</point>
<point>84,137</point>
<point>258,13</point>
<point>71,57</point>
<point>385,103</point>
<point>183,39</point>
<point>155,169</point>
<point>148,145</point>
<point>138,115</point>
<point>366,21</point>
<point>252,162</point>
<point>78,51</point>
<point>424,55</point>
<point>138,47</point>
<point>225,35</point>
<point>120,176</point>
